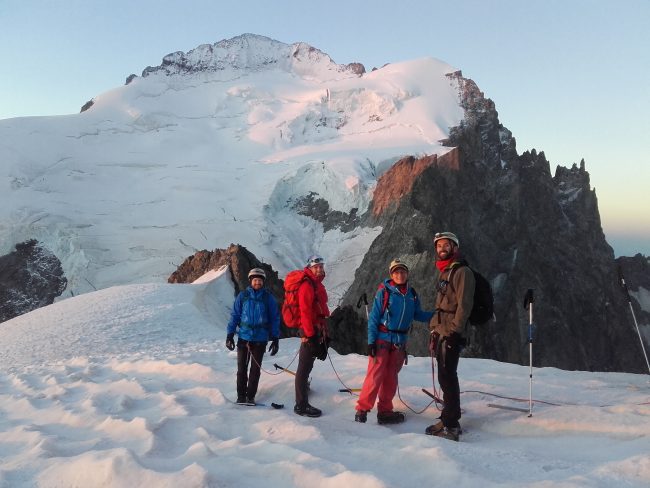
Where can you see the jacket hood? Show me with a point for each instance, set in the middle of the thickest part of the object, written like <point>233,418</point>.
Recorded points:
<point>312,276</point>
<point>390,286</point>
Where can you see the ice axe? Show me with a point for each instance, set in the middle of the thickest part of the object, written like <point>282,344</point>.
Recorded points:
<point>363,298</point>
<point>277,366</point>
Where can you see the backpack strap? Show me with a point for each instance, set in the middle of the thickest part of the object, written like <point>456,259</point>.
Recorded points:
<point>454,266</point>
<point>448,282</point>
<point>386,296</point>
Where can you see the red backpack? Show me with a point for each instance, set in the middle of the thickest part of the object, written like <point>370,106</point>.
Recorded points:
<point>291,307</point>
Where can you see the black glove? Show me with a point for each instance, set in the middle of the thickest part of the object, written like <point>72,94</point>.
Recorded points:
<point>230,341</point>
<point>321,353</point>
<point>372,350</point>
<point>315,346</point>
<point>273,348</point>
<point>312,344</point>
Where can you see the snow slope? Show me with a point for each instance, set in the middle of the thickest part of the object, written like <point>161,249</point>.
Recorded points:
<point>188,159</point>
<point>132,386</point>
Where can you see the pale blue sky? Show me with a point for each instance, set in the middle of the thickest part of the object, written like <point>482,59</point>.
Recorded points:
<point>569,77</point>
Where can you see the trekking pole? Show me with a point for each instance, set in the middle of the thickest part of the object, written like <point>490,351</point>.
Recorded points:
<point>636,324</point>
<point>529,299</point>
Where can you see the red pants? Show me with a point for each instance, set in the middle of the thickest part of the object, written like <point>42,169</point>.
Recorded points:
<point>381,378</point>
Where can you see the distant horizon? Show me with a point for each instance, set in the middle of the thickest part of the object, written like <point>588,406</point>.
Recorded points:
<point>571,79</point>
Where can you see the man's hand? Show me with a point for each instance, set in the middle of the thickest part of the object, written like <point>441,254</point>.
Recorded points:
<point>372,350</point>
<point>230,341</point>
<point>273,348</point>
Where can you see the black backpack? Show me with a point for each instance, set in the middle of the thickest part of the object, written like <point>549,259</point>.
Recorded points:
<point>483,308</point>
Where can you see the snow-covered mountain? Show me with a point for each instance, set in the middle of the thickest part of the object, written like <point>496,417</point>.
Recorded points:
<point>277,148</point>
<point>214,146</point>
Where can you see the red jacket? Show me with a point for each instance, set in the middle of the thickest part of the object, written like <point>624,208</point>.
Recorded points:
<point>312,300</point>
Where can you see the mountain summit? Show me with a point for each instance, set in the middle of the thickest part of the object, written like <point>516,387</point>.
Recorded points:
<point>251,52</point>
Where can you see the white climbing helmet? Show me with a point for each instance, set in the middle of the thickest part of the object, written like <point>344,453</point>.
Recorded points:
<point>445,235</point>
<point>256,273</point>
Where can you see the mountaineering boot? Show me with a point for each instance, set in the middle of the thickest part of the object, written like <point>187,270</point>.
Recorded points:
<point>451,433</point>
<point>433,429</point>
<point>437,427</point>
<point>361,416</point>
<point>307,410</point>
<point>390,418</point>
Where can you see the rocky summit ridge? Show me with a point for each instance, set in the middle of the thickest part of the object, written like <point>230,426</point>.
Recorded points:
<point>252,52</point>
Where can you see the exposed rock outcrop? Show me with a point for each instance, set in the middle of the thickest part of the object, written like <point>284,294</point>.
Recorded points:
<point>30,277</point>
<point>87,106</point>
<point>240,261</point>
<point>319,209</point>
<point>399,181</point>
<point>238,258</point>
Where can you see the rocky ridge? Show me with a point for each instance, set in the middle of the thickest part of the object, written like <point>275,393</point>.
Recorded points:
<point>522,228</point>
<point>250,52</point>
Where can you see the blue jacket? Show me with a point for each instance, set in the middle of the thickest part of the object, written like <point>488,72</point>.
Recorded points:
<point>393,324</point>
<point>256,314</point>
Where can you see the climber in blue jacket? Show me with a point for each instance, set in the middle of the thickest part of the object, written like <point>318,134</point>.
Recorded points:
<point>256,318</point>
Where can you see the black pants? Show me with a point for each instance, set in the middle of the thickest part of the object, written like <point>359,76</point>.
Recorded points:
<point>447,356</point>
<point>305,365</point>
<point>247,384</point>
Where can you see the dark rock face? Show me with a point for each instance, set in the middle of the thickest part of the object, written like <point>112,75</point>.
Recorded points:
<point>87,105</point>
<point>240,261</point>
<point>356,68</point>
<point>30,277</point>
<point>520,227</point>
<point>484,139</point>
<point>319,209</point>
<point>636,271</point>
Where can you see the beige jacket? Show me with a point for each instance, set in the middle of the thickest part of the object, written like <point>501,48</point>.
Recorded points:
<point>454,300</point>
